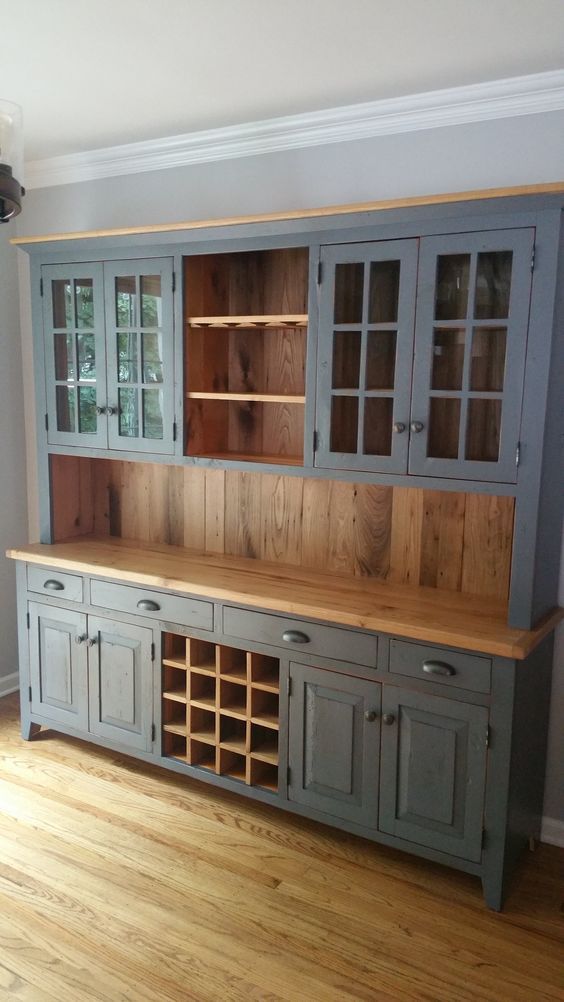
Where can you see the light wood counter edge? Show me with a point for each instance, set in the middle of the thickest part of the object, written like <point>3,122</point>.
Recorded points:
<point>494,639</point>
<point>548,188</point>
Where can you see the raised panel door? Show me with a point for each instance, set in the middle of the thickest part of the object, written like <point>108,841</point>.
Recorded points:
<point>58,665</point>
<point>334,743</point>
<point>433,771</point>
<point>120,674</point>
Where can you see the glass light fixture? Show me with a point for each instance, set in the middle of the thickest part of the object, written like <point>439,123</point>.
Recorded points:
<point>11,160</point>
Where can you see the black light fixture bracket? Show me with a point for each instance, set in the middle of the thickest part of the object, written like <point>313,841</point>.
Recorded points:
<point>11,194</point>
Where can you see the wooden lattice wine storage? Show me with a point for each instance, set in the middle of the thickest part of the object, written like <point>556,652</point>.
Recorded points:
<point>220,709</point>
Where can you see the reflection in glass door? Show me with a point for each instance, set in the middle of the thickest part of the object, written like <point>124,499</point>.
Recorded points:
<point>471,335</point>
<point>74,354</point>
<point>139,323</point>
<point>366,343</point>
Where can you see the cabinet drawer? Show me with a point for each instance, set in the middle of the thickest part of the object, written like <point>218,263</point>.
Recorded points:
<point>439,664</point>
<point>52,582</point>
<point>154,604</point>
<point>311,638</point>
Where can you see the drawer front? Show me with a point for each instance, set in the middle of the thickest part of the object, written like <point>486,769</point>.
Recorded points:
<point>46,581</point>
<point>310,638</point>
<point>153,604</point>
<point>439,664</point>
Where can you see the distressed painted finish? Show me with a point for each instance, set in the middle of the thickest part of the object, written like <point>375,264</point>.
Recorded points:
<point>120,682</point>
<point>433,771</point>
<point>334,738</point>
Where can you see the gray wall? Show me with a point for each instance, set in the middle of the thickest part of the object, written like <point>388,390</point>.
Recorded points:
<point>526,150</point>
<point>13,502</point>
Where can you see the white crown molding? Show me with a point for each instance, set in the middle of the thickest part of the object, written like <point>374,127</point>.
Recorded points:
<point>9,683</point>
<point>552,831</point>
<point>525,95</point>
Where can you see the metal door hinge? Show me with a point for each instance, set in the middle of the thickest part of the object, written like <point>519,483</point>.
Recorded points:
<point>29,693</point>
<point>315,441</point>
<point>488,736</point>
<point>484,838</point>
<point>289,686</point>
<point>174,430</point>
<point>152,652</point>
<point>319,272</point>
<point>28,620</point>
<point>153,733</point>
<point>41,287</point>
<point>518,454</point>
<point>46,422</point>
<point>174,281</point>
<point>288,775</point>
<point>533,255</point>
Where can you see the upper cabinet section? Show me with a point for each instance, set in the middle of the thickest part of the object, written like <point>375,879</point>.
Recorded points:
<point>108,333</point>
<point>245,337</point>
<point>422,354</point>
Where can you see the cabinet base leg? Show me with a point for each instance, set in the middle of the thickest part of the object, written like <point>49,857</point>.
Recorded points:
<point>532,843</point>
<point>29,730</point>
<point>494,893</point>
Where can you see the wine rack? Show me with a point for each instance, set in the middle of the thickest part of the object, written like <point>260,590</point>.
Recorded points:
<point>220,709</point>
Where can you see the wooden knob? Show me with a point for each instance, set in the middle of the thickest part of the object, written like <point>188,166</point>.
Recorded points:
<point>388,719</point>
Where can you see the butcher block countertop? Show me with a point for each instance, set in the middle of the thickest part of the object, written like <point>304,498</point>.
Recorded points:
<point>426,614</point>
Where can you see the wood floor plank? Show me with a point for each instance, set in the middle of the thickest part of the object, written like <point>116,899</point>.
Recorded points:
<point>120,882</point>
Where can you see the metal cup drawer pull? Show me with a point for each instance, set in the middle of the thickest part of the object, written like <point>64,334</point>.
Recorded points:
<point>147,605</point>
<point>53,585</point>
<point>438,668</point>
<point>295,637</point>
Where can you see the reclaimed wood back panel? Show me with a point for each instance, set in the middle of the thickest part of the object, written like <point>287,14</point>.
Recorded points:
<point>407,535</point>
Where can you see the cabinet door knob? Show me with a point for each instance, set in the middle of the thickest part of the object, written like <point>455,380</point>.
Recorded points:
<point>147,605</point>
<point>398,427</point>
<point>295,637</point>
<point>110,410</point>
<point>438,668</point>
<point>100,411</point>
<point>389,719</point>
<point>90,641</point>
<point>80,638</point>
<point>370,716</point>
<point>417,426</point>
<point>53,585</point>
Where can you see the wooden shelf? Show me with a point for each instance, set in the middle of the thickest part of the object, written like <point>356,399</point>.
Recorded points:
<point>180,729</point>
<point>172,663</point>
<point>266,720</point>
<point>264,398</point>
<point>426,614</point>
<point>179,695</point>
<point>203,703</point>
<point>241,457</point>
<point>250,322</point>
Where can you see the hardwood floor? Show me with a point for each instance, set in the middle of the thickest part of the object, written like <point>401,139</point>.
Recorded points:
<point>119,881</point>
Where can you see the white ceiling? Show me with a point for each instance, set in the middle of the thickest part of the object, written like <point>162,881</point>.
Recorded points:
<point>106,72</point>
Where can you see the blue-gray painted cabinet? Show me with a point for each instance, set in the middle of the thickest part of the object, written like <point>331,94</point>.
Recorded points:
<point>109,353</point>
<point>268,637</point>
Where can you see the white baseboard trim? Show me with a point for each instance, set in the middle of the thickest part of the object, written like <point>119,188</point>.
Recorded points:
<point>9,683</point>
<point>552,831</point>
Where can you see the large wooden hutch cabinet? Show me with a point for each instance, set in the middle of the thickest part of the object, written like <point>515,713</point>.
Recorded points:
<point>300,499</point>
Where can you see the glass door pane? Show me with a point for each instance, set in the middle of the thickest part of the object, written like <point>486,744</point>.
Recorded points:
<point>473,309</point>
<point>140,357</point>
<point>74,354</point>
<point>366,344</point>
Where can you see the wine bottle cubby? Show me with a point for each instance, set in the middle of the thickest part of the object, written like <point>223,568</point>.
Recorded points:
<point>220,709</point>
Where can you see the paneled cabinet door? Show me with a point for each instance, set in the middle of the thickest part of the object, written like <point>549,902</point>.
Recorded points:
<point>58,665</point>
<point>470,344</point>
<point>334,742</point>
<point>433,771</point>
<point>75,357</point>
<point>120,682</point>
<point>366,323</point>
<point>139,326</point>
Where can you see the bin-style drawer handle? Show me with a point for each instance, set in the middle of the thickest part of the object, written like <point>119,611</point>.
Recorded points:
<point>438,668</point>
<point>147,605</point>
<point>54,585</point>
<point>295,637</point>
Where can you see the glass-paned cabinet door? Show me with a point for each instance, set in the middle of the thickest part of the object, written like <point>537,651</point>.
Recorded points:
<point>75,360</point>
<point>366,324</point>
<point>139,325</point>
<point>471,336</point>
